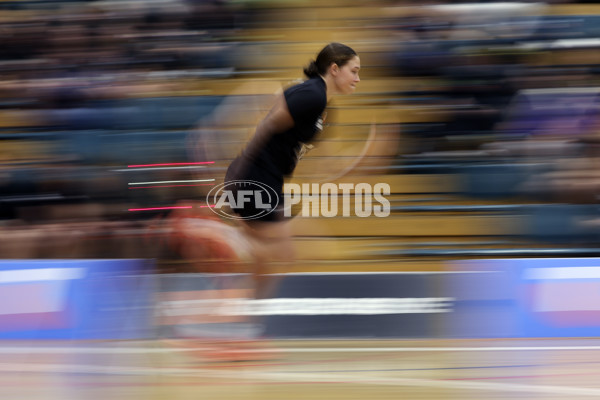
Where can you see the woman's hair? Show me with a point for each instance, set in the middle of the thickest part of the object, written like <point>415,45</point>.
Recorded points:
<point>333,53</point>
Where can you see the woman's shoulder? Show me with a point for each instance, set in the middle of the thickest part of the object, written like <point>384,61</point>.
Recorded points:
<point>313,89</point>
<point>316,85</point>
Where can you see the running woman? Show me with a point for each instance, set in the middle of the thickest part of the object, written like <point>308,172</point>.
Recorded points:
<point>271,155</point>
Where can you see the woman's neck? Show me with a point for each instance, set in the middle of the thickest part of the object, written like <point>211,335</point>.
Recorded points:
<point>329,86</point>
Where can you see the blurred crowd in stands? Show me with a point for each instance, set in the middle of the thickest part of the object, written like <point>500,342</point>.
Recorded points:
<point>90,88</point>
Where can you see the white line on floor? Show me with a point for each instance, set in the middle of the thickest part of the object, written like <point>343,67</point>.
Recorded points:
<point>360,378</point>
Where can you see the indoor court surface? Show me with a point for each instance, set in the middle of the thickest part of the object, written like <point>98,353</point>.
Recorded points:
<point>308,369</point>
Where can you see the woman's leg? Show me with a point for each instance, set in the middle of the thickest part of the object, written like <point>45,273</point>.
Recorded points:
<point>272,247</point>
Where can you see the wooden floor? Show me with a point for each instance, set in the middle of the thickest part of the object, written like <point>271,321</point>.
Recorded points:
<point>460,369</point>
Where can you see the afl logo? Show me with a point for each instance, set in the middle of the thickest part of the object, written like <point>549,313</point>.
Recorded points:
<point>255,198</point>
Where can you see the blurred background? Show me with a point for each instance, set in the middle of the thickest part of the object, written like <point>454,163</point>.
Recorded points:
<point>114,113</point>
<point>487,117</point>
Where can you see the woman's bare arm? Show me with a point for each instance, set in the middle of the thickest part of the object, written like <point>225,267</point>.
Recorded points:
<point>277,120</point>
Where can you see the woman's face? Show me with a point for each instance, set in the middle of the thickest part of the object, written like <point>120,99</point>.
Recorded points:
<point>346,77</point>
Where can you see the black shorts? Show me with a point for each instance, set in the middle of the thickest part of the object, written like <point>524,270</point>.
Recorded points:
<point>255,177</point>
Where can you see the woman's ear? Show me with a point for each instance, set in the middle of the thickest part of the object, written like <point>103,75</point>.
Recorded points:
<point>334,69</point>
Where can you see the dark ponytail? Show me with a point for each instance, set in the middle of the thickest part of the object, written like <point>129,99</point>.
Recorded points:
<point>312,71</point>
<point>333,53</point>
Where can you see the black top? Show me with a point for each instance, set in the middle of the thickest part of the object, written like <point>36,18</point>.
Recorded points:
<point>306,103</point>
<point>279,156</point>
